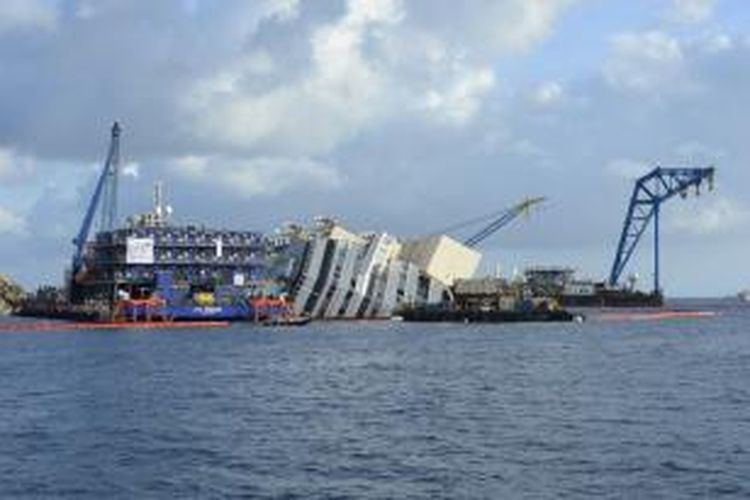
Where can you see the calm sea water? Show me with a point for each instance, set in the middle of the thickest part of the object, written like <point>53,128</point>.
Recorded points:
<point>650,409</point>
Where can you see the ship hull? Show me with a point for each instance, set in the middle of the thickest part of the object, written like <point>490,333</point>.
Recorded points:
<point>614,298</point>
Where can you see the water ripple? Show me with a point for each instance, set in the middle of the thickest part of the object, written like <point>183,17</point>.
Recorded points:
<point>655,410</point>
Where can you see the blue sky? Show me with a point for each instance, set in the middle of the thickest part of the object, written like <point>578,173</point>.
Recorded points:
<point>395,115</point>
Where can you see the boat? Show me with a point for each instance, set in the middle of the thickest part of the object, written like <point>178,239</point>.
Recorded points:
<point>286,321</point>
<point>560,282</point>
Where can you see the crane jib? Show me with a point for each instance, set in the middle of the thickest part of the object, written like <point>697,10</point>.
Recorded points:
<point>650,191</point>
<point>107,183</point>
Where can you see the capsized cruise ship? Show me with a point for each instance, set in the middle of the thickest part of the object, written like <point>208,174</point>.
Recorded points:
<point>335,273</point>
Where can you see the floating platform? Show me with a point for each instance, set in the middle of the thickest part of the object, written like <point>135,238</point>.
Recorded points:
<point>457,316</point>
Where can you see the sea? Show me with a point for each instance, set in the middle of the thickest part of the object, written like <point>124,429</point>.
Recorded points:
<point>607,408</point>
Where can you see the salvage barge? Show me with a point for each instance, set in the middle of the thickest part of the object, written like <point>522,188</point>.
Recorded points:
<point>153,271</point>
<point>150,270</point>
<point>490,300</point>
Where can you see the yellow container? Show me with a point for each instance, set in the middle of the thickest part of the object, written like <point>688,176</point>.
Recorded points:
<point>204,298</point>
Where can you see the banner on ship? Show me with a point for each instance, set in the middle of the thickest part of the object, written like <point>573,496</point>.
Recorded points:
<point>139,251</point>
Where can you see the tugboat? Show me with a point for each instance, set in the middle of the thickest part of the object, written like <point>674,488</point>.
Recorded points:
<point>277,311</point>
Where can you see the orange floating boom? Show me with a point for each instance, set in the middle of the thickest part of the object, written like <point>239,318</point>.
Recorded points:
<point>61,326</point>
<point>645,316</point>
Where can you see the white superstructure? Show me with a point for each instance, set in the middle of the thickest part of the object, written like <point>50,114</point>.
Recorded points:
<point>370,275</point>
<point>442,257</point>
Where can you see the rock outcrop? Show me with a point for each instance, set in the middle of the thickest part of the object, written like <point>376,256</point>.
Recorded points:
<point>11,295</point>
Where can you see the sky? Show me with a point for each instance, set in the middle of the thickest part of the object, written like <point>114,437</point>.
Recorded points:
<point>403,116</point>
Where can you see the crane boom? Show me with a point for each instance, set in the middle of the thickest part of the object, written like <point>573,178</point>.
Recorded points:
<point>107,180</point>
<point>649,193</point>
<point>505,218</point>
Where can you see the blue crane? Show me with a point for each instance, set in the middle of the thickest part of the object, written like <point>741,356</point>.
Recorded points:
<point>503,219</point>
<point>649,193</point>
<point>107,186</point>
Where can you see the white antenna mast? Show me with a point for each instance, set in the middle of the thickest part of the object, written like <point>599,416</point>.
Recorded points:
<point>161,212</point>
<point>158,206</point>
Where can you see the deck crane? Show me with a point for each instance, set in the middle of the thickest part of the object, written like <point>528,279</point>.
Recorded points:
<point>651,190</point>
<point>503,219</point>
<point>106,187</point>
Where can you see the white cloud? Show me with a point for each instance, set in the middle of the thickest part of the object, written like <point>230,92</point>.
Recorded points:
<point>644,62</point>
<point>692,11</point>
<point>526,22</point>
<point>362,12</point>
<point>229,80</point>
<point>496,27</point>
<point>253,177</point>
<point>11,223</point>
<point>13,165</point>
<point>718,43</point>
<point>342,93</point>
<point>25,14</point>
<point>379,59</point>
<point>626,168</point>
<point>131,169</point>
<point>547,94</point>
<point>703,217</point>
<point>460,101</point>
<point>285,10</point>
